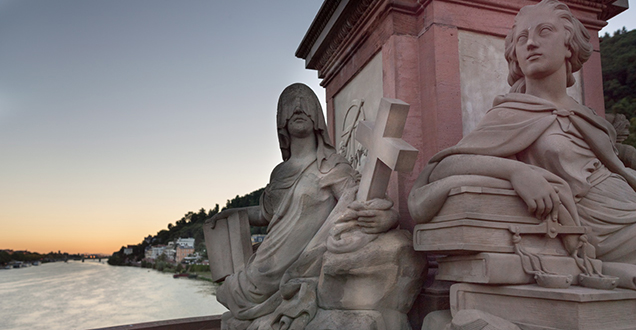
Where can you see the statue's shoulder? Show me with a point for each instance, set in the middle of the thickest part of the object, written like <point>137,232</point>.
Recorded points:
<point>278,169</point>
<point>283,176</point>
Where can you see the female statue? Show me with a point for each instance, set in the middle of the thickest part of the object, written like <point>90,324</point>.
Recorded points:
<point>278,284</point>
<point>557,155</point>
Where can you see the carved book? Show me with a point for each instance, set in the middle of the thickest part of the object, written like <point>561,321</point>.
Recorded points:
<point>229,245</point>
<point>474,219</point>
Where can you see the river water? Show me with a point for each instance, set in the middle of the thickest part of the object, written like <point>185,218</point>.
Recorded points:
<point>86,295</point>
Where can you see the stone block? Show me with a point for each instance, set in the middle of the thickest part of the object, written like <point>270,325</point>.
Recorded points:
<point>384,275</point>
<point>537,308</point>
<point>229,245</point>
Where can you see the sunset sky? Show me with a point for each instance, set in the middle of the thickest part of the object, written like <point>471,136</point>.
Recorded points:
<point>118,117</point>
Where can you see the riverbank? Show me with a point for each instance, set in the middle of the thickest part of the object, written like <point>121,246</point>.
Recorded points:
<point>201,271</point>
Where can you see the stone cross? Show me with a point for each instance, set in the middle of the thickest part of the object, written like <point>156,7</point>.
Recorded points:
<point>387,151</point>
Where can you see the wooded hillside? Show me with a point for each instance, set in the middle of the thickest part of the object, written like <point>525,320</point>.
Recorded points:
<point>618,57</point>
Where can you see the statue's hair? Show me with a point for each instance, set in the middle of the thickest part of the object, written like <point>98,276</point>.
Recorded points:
<point>577,40</point>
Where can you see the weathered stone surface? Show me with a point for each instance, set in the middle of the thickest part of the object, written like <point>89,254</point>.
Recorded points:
<point>387,151</point>
<point>542,308</point>
<point>365,87</point>
<point>228,244</point>
<point>437,320</point>
<point>350,319</point>
<point>323,247</point>
<point>544,164</point>
<point>303,191</point>
<point>503,268</point>
<point>551,195</point>
<point>433,297</point>
<point>470,319</point>
<point>483,71</point>
<point>384,275</point>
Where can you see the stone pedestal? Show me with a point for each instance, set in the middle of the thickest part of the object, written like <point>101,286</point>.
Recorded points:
<point>385,277</point>
<point>533,307</point>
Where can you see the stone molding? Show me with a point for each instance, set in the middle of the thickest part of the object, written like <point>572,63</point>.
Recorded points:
<point>338,29</point>
<point>329,36</point>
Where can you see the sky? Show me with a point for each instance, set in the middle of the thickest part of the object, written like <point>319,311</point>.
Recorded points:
<point>118,117</point>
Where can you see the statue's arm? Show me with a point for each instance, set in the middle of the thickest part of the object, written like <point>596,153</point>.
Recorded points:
<point>254,216</point>
<point>540,196</point>
<point>627,155</point>
<point>466,164</point>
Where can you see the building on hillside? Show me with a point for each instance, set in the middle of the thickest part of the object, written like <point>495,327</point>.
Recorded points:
<point>148,252</point>
<point>128,251</point>
<point>153,252</point>
<point>170,252</point>
<point>156,251</point>
<point>184,247</point>
<point>193,258</point>
<point>186,241</point>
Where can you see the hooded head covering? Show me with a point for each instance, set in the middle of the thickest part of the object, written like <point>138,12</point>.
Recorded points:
<point>300,97</point>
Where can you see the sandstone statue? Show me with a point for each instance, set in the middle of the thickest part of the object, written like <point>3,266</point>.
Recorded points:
<point>626,152</point>
<point>557,155</point>
<point>303,275</point>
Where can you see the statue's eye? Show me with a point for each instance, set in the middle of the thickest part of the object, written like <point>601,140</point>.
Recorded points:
<point>545,31</point>
<point>522,39</point>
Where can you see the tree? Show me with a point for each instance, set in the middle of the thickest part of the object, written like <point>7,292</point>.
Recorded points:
<point>618,58</point>
<point>5,257</point>
<point>250,199</point>
<point>190,225</point>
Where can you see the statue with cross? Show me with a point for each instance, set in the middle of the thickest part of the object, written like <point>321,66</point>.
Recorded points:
<point>369,267</point>
<point>322,238</point>
<point>387,152</point>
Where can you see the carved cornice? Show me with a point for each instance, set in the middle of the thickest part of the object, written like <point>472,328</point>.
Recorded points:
<point>327,34</point>
<point>317,26</point>
<point>612,8</point>
<point>344,30</point>
<point>337,21</point>
<point>334,28</point>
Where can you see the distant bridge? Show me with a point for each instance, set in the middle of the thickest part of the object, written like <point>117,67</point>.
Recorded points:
<point>92,257</point>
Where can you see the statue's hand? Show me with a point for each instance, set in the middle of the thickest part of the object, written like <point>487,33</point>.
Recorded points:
<point>540,196</point>
<point>375,216</point>
<point>221,215</point>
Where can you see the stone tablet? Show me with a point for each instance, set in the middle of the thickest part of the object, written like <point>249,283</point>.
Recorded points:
<point>228,244</point>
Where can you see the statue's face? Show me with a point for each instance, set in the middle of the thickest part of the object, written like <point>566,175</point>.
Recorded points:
<point>540,43</point>
<point>300,125</point>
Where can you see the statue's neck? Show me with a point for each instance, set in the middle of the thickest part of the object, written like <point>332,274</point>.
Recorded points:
<point>552,88</point>
<point>303,150</point>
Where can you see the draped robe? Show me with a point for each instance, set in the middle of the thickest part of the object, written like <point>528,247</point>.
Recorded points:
<point>572,148</point>
<point>296,205</point>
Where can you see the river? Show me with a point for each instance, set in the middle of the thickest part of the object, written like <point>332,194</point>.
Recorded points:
<point>86,295</point>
